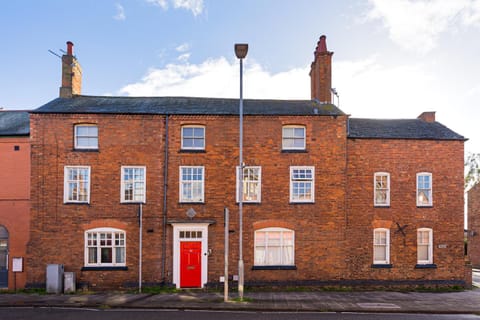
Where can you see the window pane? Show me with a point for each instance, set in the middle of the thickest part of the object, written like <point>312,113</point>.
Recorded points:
<point>423,197</point>
<point>187,132</point>
<point>82,130</point>
<point>288,132</point>
<point>106,255</point>
<point>188,142</point>
<point>198,132</point>
<point>380,237</point>
<point>379,253</point>
<point>299,132</point>
<point>260,256</point>
<point>422,252</point>
<point>120,255</point>
<point>381,197</point>
<point>92,255</point>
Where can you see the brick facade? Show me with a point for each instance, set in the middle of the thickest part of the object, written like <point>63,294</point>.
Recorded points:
<point>403,159</point>
<point>474,225</point>
<point>333,235</point>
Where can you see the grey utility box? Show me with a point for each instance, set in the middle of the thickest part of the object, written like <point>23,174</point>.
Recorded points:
<point>54,278</point>
<point>69,283</point>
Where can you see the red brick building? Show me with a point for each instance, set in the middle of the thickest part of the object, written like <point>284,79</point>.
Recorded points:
<point>327,199</point>
<point>14,197</point>
<point>474,225</point>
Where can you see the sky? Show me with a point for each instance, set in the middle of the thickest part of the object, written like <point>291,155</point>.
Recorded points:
<point>392,58</point>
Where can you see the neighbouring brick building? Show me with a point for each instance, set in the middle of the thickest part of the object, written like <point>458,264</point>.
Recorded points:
<point>327,199</point>
<point>14,197</point>
<point>474,225</point>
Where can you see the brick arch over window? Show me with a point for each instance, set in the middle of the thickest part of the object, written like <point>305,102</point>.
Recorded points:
<point>385,224</point>
<point>112,223</point>
<point>273,224</point>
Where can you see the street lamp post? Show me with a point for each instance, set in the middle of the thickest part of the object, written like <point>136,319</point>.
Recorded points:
<point>241,50</point>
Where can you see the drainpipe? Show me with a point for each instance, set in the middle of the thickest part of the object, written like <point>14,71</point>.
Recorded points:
<point>165,186</point>
<point>140,218</point>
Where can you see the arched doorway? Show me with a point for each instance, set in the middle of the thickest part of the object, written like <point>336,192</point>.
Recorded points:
<point>3,257</point>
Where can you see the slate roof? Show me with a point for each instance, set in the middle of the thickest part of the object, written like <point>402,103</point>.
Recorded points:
<point>358,128</point>
<point>14,123</point>
<point>185,106</point>
<point>400,129</point>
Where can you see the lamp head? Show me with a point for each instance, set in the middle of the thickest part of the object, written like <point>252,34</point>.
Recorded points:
<point>241,50</point>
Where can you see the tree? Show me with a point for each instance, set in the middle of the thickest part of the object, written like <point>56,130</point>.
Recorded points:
<point>472,170</point>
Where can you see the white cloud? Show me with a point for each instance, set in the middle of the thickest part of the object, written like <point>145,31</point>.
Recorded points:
<point>417,25</point>
<point>159,3</point>
<point>219,78</point>
<point>183,57</point>
<point>195,6</point>
<point>183,47</point>
<point>120,12</point>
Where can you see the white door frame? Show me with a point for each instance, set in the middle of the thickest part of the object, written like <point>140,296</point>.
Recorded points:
<point>177,227</point>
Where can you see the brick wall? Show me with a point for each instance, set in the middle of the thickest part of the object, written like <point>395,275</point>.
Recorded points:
<point>403,159</point>
<point>333,236</point>
<point>474,225</point>
<point>58,229</point>
<point>57,232</point>
<point>318,227</point>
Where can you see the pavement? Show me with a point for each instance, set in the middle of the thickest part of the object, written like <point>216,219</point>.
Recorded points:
<point>461,302</point>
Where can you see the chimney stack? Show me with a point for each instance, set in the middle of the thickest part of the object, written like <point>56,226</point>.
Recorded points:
<point>321,72</point>
<point>71,74</point>
<point>427,116</point>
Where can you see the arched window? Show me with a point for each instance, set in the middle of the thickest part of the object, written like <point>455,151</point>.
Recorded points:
<point>105,247</point>
<point>274,247</point>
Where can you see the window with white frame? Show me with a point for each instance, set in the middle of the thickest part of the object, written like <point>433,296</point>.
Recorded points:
<point>381,246</point>
<point>76,184</point>
<point>274,247</point>
<point>252,184</point>
<point>382,189</point>
<point>105,247</point>
<point>424,246</point>
<point>293,138</point>
<point>302,180</point>
<point>193,137</point>
<point>191,184</point>
<point>86,136</point>
<point>424,189</point>
<point>133,184</point>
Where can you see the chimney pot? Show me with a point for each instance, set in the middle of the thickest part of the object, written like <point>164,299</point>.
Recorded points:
<point>70,48</point>
<point>322,45</point>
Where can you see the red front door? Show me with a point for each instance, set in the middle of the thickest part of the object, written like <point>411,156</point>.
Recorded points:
<point>190,264</point>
